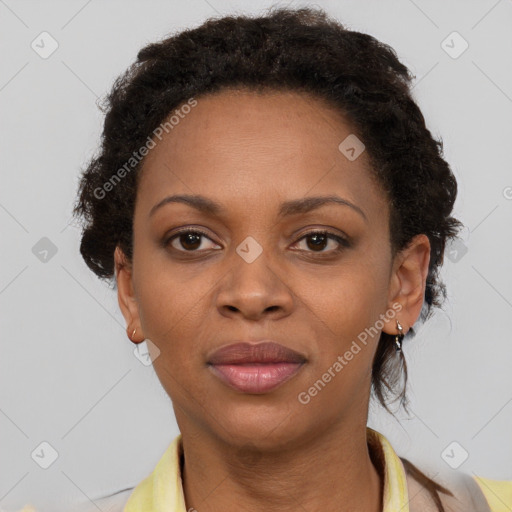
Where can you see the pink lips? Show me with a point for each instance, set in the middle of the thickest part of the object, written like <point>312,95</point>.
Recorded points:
<point>255,368</point>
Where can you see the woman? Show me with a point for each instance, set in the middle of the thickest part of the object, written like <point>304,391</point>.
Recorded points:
<point>274,212</point>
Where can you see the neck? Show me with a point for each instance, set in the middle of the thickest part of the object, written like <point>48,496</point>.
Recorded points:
<point>331,471</point>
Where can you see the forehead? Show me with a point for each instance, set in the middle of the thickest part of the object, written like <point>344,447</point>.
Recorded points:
<point>255,146</point>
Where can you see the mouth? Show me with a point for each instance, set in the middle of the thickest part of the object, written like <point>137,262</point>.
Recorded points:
<point>255,368</point>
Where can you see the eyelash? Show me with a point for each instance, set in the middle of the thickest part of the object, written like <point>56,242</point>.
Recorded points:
<point>343,242</point>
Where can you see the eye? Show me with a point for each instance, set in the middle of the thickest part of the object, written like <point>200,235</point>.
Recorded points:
<point>189,240</point>
<point>316,241</point>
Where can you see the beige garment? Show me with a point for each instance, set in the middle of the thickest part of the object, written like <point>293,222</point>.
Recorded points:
<point>162,490</point>
<point>468,496</point>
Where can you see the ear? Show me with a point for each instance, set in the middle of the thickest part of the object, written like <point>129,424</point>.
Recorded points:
<point>407,284</point>
<point>126,297</point>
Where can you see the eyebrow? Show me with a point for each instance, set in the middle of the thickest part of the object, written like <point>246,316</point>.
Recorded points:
<point>288,208</point>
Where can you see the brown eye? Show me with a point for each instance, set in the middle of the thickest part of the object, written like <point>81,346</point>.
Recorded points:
<point>317,241</point>
<point>188,241</point>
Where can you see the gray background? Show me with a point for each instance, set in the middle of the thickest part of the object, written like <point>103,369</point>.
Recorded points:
<point>68,373</point>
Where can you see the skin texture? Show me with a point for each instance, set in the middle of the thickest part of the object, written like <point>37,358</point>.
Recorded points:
<point>250,152</point>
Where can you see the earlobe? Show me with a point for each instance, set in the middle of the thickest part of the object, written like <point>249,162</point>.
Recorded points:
<point>408,282</point>
<point>126,296</point>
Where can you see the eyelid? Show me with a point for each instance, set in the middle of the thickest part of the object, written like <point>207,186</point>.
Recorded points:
<point>167,239</point>
<point>342,240</point>
<point>334,232</point>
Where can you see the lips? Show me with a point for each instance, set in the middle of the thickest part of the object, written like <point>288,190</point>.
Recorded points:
<point>262,352</point>
<point>255,368</point>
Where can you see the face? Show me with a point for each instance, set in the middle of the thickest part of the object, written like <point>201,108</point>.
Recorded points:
<point>252,268</point>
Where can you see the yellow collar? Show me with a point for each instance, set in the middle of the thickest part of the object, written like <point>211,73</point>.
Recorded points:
<point>162,490</point>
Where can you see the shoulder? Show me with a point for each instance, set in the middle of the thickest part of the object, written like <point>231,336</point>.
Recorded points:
<point>112,503</point>
<point>497,492</point>
<point>466,493</point>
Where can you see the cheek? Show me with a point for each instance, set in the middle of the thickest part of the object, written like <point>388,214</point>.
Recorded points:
<point>347,299</point>
<point>343,314</point>
<point>344,309</point>
<point>171,310</point>
<point>166,294</point>
<point>176,315</point>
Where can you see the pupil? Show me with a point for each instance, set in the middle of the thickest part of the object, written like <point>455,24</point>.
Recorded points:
<point>317,243</point>
<point>186,240</point>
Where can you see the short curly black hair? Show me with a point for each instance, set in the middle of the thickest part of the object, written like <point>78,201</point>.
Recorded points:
<point>287,49</point>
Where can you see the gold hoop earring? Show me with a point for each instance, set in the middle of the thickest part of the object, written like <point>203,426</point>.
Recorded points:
<point>399,337</point>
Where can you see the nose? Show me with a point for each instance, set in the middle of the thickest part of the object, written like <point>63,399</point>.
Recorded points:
<point>254,291</point>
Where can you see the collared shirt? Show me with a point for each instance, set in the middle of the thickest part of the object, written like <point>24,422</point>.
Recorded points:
<point>162,490</point>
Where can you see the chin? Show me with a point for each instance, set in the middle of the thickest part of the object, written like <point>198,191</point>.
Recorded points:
<point>265,427</point>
